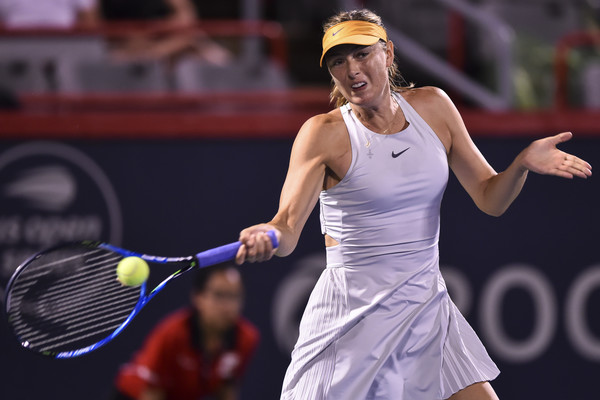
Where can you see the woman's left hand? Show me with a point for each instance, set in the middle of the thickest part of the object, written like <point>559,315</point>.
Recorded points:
<point>543,157</point>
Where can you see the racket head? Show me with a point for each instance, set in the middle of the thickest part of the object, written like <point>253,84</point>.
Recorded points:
<point>66,301</point>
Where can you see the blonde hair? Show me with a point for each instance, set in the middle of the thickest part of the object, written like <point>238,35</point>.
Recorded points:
<point>397,82</point>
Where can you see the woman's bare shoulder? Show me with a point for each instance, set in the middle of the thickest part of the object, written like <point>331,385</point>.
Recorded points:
<point>331,120</point>
<point>324,136</point>
<point>436,108</point>
<point>426,97</point>
<point>324,127</point>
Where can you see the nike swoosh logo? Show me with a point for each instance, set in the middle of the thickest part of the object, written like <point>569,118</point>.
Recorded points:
<point>336,32</point>
<point>396,155</point>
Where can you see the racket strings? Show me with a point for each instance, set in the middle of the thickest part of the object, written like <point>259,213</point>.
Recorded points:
<point>62,299</point>
<point>76,316</point>
<point>66,284</point>
<point>75,336</point>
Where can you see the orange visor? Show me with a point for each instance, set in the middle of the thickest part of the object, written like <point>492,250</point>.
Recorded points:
<point>352,32</point>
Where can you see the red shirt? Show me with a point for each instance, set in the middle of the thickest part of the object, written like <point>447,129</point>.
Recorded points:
<point>172,360</point>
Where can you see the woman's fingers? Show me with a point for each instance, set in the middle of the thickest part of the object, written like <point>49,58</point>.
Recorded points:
<point>256,246</point>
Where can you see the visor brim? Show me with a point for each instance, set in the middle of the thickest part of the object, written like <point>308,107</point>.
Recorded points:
<point>361,40</point>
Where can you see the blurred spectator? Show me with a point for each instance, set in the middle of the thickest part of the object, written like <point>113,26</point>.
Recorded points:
<point>48,13</point>
<point>196,353</point>
<point>173,15</point>
<point>34,68</point>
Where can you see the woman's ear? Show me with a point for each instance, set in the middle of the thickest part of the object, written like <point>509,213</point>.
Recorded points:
<point>389,51</point>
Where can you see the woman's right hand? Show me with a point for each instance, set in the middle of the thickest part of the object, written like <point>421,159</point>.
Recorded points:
<point>256,244</point>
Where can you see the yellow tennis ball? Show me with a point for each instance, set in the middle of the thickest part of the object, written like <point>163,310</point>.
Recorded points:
<point>132,271</point>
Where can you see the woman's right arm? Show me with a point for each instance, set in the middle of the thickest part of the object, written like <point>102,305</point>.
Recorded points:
<point>299,195</point>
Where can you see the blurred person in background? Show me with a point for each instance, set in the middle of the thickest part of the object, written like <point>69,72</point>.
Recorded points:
<point>196,353</point>
<point>170,45</point>
<point>62,14</point>
<point>39,14</point>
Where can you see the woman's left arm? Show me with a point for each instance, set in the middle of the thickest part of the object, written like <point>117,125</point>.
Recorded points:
<point>494,192</point>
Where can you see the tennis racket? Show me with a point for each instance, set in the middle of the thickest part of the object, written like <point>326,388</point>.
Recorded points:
<point>66,301</point>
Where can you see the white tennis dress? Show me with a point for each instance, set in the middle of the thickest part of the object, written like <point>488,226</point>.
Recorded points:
<point>379,323</point>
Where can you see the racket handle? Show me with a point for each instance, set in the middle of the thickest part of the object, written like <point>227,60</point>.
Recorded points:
<point>227,252</point>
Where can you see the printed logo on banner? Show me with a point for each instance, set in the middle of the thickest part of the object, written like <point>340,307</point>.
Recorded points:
<point>51,193</point>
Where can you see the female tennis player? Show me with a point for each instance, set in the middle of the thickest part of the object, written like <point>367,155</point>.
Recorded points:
<point>379,323</point>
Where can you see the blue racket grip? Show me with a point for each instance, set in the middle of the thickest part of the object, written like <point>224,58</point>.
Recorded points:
<point>227,252</point>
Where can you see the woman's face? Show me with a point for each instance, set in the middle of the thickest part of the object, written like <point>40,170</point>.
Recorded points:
<point>361,72</point>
